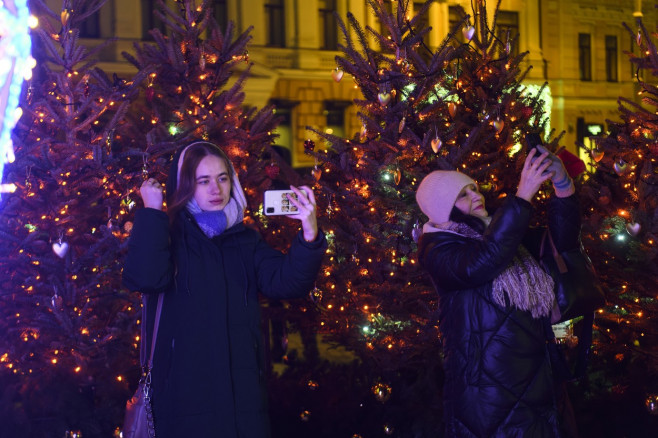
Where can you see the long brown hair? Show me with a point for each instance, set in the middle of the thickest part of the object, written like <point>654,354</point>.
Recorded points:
<point>186,177</point>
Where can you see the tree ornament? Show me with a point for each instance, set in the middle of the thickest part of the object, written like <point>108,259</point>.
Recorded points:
<point>388,429</point>
<point>309,145</point>
<point>315,295</point>
<point>128,202</point>
<point>597,155</point>
<point>272,170</point>
<point>316,172</point>
<point>128,226</point>
<point>312,385</point>
<point>337,74</point>
<point>64,16</point>
<point>60,248</point>
<point>397,175</point>
<point>651,404</point>
<point>56,301</point>
<point>384,98</point>
<point>498,125</point>
<point>633,228</point>
<point>202,60</point>
<point>621,167</point>
<point>382,392</point>
<point>364,133</point>
<point>638,38</point>
<point>149,93</point>
<point>305,416</point>
<point>452,109</point>
<point>416,232</point>
<point>526,111</point>
<point>145,168</point>
<point>436,144</point>
<point>468,32</point>
<point>401,125</point>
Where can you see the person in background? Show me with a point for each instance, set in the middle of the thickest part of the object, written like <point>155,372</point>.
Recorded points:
<point>495,301</point>
<point>207,377</point>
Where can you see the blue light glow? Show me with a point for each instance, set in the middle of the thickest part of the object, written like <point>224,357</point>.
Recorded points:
<point>16,64</point>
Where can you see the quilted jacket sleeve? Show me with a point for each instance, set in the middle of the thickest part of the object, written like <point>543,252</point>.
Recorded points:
<point>148,264</point>
<point>455,262</point>
<point>289,275</point>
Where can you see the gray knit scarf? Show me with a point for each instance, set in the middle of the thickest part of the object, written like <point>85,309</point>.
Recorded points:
<point>523,283</point>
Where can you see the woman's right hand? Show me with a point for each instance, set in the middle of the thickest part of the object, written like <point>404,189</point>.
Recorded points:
<point>533,175</point>
<point>152,194</point>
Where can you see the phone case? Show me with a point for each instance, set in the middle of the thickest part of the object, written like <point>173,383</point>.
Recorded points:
<point>275,202</point>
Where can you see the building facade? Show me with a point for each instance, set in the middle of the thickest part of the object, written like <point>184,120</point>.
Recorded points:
<point>576,45</point>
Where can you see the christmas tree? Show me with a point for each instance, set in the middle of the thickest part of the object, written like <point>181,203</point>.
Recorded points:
<point>70,353</point>
<point>461,106</point>
<point>62,322</point>
<point>620,204</point>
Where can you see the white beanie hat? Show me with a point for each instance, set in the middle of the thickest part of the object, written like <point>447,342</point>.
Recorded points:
<point>438,191</point>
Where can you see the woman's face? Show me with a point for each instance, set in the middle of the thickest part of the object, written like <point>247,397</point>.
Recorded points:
<point>471,202</point>
<point>212,184</point>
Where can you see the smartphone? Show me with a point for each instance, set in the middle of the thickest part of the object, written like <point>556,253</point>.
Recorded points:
<point>533,140</point>
<point>276,202</point>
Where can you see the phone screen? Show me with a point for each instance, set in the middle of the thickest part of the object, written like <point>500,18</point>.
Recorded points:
<point>275,202</point>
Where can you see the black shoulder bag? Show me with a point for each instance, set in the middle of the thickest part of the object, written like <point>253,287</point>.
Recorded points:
<point>578,294</point>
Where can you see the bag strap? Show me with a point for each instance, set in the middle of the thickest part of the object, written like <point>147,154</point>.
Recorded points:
<point>559,261</point>
<point>142,347</point>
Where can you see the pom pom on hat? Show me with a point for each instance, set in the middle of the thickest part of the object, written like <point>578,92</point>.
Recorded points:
<point>438,191</point>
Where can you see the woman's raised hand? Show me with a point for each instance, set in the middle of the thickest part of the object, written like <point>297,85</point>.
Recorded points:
<point>533,175</point>
<point>151,192</point>
<point>306,207</point>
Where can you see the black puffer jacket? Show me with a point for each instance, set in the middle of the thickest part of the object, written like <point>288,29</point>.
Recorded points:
<point>498,376</point>
<point>208,377</point>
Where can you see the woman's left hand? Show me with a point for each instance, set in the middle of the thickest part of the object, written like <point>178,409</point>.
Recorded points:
<point>306,208</point>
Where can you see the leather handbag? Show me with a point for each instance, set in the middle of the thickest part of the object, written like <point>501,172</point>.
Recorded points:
<point>577,290</point>
<point>138,420</point>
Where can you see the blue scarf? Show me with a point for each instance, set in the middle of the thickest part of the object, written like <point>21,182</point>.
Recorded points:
<point>212,223</point>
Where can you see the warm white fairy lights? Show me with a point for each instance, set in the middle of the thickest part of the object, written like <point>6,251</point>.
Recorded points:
<point>16,64</point>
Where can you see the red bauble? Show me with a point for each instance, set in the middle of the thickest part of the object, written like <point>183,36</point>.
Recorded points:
<point>272,170</point>
<point>309,145</point>
<point>526,111</point>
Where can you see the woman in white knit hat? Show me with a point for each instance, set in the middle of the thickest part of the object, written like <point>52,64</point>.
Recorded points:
<point>495,300</point>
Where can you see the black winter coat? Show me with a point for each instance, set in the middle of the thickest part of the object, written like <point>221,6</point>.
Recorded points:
<point>498,380</point>
<point>208,376</point>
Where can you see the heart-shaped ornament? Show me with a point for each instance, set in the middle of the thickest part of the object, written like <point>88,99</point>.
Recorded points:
<point>436,145</point>
<point>633,229</point>
<point>498,125</point>
<point>60,248</point>
<point>317,173</point>
<point>337,74</point>
<point>468,32</point>
<point>384,98</point>
<point>621,167</point>
<point>597,155</point>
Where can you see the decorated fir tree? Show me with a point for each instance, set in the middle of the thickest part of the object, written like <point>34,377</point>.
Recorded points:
<point>620,229</point>
<point>83,146</point>
<point>461,106</point>
<point>64,328</point>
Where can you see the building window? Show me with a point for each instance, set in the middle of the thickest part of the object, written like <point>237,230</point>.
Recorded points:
<point>220,13</point>
<point>585,56</point>
<point>507,29</point>
<point>275,23</point>
<point>91,26</point>
<point>455,16</point>
<point>334,111</point>
<point>283,109</point>
<point>150,19</point>
<point>611,58</point>
<point>328,25</point>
